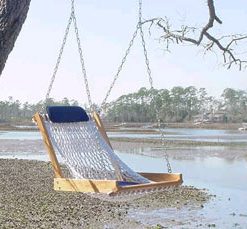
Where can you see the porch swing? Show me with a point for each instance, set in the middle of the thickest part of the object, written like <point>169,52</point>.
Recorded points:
<point>81,141</point>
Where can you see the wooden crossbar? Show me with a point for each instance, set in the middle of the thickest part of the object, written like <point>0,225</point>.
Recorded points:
<point>159,180</point>
<point>85,185</point>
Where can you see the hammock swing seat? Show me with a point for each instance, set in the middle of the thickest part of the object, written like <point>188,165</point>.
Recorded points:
<point>81,141</point>
<point>95,167</point>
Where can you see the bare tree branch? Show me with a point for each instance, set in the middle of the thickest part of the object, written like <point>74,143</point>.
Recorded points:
<point>185,34</point>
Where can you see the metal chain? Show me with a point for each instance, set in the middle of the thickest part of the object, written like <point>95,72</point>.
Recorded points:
<point>83,69</point>
<point>71,18</point>
<point>163,143</point>
<point>162,135</point>
<point>144,45</point>
<point>103,104</point>
<point>138,26</point>
<point>58,61</point>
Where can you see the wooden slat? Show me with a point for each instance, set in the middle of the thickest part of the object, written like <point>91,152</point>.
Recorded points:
<point>172,180</point>
<point>162,176</point>
<point>111,187</point>
<point>78,185</point>
<point>51,152</point>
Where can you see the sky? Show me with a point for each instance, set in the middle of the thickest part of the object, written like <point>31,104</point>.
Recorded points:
<point>105,29</point>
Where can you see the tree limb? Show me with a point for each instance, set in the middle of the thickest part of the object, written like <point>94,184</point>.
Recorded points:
<point>184,34</point>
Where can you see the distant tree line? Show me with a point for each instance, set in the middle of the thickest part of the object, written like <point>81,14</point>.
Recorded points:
<point>12,111</point>
<point>180,104</point>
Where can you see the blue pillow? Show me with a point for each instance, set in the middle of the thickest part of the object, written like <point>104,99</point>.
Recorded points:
<point>60,114</point>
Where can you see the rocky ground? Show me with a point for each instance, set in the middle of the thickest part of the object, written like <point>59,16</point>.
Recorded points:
<point>27,200</point>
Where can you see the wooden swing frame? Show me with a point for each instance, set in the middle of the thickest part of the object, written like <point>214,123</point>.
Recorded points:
<point>110,187</point>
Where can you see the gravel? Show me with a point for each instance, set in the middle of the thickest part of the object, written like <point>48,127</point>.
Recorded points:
<point>27,200</point>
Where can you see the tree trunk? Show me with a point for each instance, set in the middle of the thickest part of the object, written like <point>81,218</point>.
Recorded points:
<point>12,16</point>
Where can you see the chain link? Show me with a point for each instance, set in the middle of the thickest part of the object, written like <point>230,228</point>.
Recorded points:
<point>103,104</point>
<point>83,69</point>
<point>162,135</point>
<point>71,18</point>
<point>163,143</point>
<point>57,62</point>
<point>144,45</point>
<point>138,27</point>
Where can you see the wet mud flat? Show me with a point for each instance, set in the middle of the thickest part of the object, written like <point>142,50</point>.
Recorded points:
<point>27,200</point>
<point>180,151</point>
<point>138,146</point>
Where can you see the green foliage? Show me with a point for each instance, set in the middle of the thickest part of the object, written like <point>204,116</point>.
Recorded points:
<point>176,105</point>
<point>235,104</point>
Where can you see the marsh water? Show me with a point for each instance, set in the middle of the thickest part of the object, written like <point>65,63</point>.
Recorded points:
<point>223,177</point>
<point>171,134</point>
<point>189,134</point>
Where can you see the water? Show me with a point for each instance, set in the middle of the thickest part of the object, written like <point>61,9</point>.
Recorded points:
<point>25,156</point>
<point>210,171</point>
<point>184,134</point>
<point>20,135</point>
<point>226,178</point>
<point>223,178</point>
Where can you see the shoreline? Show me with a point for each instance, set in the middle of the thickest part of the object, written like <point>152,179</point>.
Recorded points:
<point>27,199</point>
<point>133,127</point>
